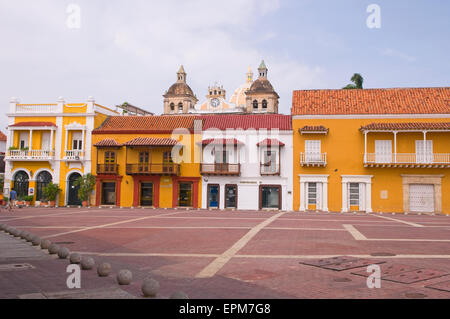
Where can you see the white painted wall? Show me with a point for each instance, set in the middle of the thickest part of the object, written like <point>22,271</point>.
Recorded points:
<point>249,156</point>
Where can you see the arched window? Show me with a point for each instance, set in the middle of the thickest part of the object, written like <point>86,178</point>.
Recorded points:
<point>264,104</point>
<point>42,180</point>
<point>180,107</point>
<point>172,106</point>
<point>21,184</point>
<point>255,104</point>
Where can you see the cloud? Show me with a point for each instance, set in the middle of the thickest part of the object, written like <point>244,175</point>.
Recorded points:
<point>397,54</point>
<point>130,51</point>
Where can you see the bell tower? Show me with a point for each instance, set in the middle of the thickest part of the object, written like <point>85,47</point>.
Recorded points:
<point>179,98</point>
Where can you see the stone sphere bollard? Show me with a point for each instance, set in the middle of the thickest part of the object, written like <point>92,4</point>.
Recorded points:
<point>104,269</point>
<point>2,226</point>
<point>63,253</point>
<point>29,237</point>
<point>75,258</point>
<point>179,295</point>
<point>53,249</point>
<point>36,241</point>
<point>45,244</point>
<point>124,277</point>
<point>15,232</point>
<point>87,263</point>
<point>150,287</point>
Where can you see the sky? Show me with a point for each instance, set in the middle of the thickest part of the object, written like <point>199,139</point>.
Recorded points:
<point>130,51</point>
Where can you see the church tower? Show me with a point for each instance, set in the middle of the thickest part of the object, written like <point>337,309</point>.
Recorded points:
<point>179,98</point>
<point>261,97</point>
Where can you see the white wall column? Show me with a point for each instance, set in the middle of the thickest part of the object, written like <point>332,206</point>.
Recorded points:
<point>368,197</point>
<point>302,196</point>
<point>424,146</point>
<point>365,146</point>
<point>67,136</point>
<point>325,197</point>
<point>30,138</point>
<point>344,197</point>
<point>395,146</point>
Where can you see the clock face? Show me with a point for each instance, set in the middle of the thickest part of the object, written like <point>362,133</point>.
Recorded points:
<point>215,102</point>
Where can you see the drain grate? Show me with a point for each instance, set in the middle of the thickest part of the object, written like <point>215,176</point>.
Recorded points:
<point>415,276</point>
<point>14,267</point>
<point>442,286</point>
<point>65,243</point>
<point>382,254</point>
<point>328,261</point>
<point>352,264</point>
<point>388,270</point>
<point>415,295</point>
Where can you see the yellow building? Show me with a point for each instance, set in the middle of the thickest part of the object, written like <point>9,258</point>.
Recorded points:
<point>372,150</point>
<point>147,161</point>
<point>50,143</point>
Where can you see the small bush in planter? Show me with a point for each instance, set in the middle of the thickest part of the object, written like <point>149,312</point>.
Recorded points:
<point>50,192</point>
<point>86,185</point>
<point>28,199</point>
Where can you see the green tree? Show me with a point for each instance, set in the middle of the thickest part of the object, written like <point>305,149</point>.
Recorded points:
<point>86,185</point>
<point>51,191</point>
<point>358,80</point>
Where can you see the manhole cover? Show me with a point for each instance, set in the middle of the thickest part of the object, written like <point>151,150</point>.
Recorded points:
<point>65,243</point>
<point>415,276</point>
<point>388,270</point>
<point>352,264</point>
<point>443,286</point>
<point>328,261</point>
<point>415,295</point>
<point>12,267</point>
<point>342,279</point>
<point>382,254</point>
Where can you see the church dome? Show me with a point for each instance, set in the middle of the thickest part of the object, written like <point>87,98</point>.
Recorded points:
<point>180,88</point>
<point>238,97</point>
<point>261,85</point>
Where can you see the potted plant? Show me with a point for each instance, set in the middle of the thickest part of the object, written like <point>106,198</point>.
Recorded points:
<point>86,185</point>
<point>28,199</point>
<point>20,201</point>
<point>5,201</point>
<point>50,192</point>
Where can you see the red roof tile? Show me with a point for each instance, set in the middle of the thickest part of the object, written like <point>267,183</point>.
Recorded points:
<point>222,141</point>
<point>107,142</point>
<point>2,137</point>
<point>270,141</point>
<point>247,121</point>
<point>145,124</point>
<point>372,101</point>
<point>406,126</point>
<point>23,124</point>
<point>148,141</point>
<point>314,129</point>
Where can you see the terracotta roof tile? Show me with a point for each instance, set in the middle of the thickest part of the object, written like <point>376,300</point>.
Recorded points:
<point>222,141</point>
<point>149,141</point>
<point>320,128</point>
<point>406,126</point>
<point>372,101</point>
<point>270,141</point>
<point>145,124</point>
<point>2,137</point>
<point>107,142</point>
<point>23,124</point>
<point>247,121</point>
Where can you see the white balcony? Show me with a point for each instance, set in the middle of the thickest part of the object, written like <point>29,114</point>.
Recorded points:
<point>313,159</point>
<point>74,155</point>
<point>407,160</point>
<point>30,155</point>
<point>36,108</point>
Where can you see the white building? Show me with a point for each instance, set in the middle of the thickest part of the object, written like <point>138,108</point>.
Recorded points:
<point>247,162</point>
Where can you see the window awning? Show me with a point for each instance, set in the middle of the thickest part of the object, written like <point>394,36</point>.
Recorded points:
<point>314,130</point>
<point>150,141</point>
<point>270,142</point>
<point>424,126</point>
<point>222,141</point>
<point>107,142</point>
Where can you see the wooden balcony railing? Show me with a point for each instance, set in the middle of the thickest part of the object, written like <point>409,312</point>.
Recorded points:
<point>313,159</point>
<point>107,169</point>
<point>153,169</point>
<point>220,169</point>
<point>407,159</point>
<point>269,169</point>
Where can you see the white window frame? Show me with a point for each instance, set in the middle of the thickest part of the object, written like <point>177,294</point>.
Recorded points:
<point>383,157</point>
<point>313,150</point>
<point>321,191</point>
<point>420,151</point>
<point>365,192</point>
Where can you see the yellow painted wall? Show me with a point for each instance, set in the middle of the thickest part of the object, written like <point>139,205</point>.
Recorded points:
<point>166,184</point>
<point>344,146</point>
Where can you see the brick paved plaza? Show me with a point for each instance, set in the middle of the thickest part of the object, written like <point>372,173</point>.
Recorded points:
<point>229,254</point>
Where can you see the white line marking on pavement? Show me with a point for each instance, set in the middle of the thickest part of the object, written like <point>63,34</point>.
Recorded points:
<point>220,261</point>
<point>48,215</point>
<point>400,221</point>
<point>354,232</point>
<point>105,225</point>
